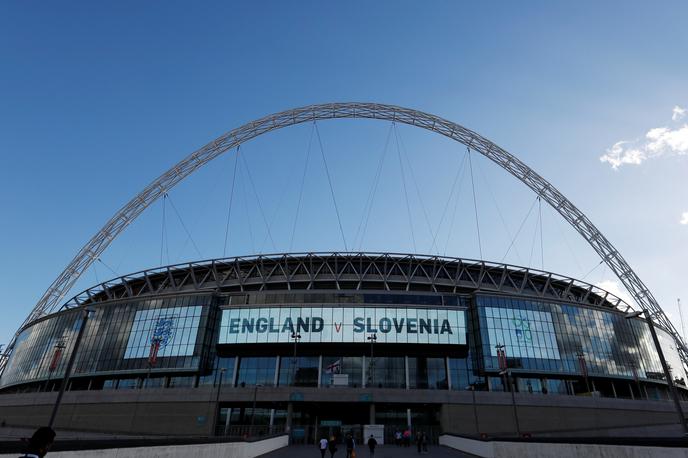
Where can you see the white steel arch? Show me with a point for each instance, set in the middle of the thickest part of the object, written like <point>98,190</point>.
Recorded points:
<point>50,300</point>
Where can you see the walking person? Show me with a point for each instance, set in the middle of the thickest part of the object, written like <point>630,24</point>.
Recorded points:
<point>419,441</point>
<point>424,441</point>
<point>397,438</point>
<point>372,443</point>
<point>323,446</point>
<point>407,437</point>
<point>332,446</point>
<point>350,446</point>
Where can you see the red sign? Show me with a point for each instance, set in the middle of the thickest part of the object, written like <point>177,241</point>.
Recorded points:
<point>501,358</point>
<point>56,359</point>
<point>153,355</point>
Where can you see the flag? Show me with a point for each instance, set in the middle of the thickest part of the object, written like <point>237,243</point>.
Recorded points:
<point>334,368</point>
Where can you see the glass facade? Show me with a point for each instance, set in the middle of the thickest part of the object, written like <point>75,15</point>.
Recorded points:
<point>342,371</point>
<point>428,373</point>
<point>258,370</point>
<point>299,371</point>
<point>118,338</point>
<point>548,345</point>
<point>544,337</point>
<point>386,372</point>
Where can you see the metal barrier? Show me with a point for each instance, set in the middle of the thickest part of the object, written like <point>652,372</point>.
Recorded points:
<point>249,432</point>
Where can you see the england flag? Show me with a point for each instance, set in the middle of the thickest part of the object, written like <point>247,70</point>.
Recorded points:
<point>334,368</point>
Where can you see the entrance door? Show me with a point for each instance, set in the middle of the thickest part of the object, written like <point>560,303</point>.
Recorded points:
<point>330,419</point>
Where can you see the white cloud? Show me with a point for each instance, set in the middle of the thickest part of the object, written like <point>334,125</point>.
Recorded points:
<point>684,218</point>
<point>616,289</point>
<point>659,141</point>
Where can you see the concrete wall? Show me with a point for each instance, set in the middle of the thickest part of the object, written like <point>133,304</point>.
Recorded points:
<point>190,412</point>
<point>540,450</point>
<point>225,450</point>
<point>494,414</point>
<point>187,412</point>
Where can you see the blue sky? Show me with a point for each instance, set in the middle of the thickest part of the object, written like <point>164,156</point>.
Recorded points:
<point>97,99</point>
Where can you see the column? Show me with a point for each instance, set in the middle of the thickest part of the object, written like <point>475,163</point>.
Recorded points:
<point>406,370</point>
<point>319,370</point>
<point>235,371</point>
<point>447,368</point>
<point>277,370</point>
<point>290,414</point>
<point>363,372</point>
<point>371,416</point>
<point>229,415</point>
<point>408,417</point>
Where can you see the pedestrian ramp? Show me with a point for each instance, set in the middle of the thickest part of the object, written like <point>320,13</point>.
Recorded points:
<point>384,451</point>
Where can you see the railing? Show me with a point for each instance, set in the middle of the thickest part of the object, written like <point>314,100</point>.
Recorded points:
<point>248,432</point>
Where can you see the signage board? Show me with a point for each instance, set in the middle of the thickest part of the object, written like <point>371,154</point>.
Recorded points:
<point>343,324</point>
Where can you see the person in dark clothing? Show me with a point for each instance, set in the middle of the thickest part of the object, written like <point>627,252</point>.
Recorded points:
<point>350,445</point>
<point>419,440</point>
<point>407,437</point>
<point>372,443</point>
<point>424,441</point>
<point>40,443</point>
<point>332,446</point>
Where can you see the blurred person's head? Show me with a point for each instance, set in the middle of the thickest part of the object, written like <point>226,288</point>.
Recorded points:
<point>41,441</point>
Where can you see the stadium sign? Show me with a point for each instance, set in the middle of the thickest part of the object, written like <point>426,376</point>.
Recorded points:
<point>337,324</point>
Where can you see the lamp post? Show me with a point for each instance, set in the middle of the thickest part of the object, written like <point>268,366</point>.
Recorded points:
<point>665,367</point>
<point>501,361</point>
<point>217,399</point>
<point>296,336</point>
<point>505,372</point>
<point>584,369</point>
<point>85,312</point>
<point>59,348</point>
<point>253,409</point>
<point>371,367</point>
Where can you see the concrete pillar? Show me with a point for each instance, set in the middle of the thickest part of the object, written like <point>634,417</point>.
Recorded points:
<point>235,372</point>
<point>319,370</point>
<point>227,418</point>
<point>613,389</point>
<point>277,370</point>
<point>363,372</point>
<point>290,415</point>
<point>408,417</point>
<point>447,368</point>
<point>406,370</point>
<point>371,416</point>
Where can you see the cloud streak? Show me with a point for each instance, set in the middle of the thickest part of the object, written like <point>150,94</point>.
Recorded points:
<point>657,142</point>
<point>684,218</point>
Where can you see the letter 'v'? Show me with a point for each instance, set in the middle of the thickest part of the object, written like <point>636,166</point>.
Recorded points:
<point>338,326</point>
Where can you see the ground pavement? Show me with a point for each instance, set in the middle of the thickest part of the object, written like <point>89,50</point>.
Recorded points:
<point>385,451</point>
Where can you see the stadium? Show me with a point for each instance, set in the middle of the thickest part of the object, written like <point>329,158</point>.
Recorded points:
<point>321,343</point>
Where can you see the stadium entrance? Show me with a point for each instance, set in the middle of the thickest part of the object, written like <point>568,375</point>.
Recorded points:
<point>310,422</point>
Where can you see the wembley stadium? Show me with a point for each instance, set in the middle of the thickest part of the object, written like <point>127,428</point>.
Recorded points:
<point>321,343</point>
<point>330,341</point>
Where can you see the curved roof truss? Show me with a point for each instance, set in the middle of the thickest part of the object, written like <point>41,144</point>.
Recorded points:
<point>348,271</point>
<point>128,213</point>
